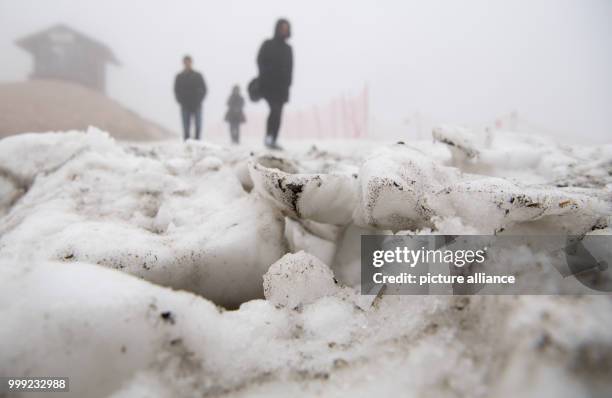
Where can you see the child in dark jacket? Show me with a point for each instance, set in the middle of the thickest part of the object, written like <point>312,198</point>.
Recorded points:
<point>235,114</point>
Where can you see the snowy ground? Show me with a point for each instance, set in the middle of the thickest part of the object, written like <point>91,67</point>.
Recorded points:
<point>171,270</point>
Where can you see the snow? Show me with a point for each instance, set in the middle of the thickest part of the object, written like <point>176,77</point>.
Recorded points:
<point>402,188</point>
<point>298,279</point>
<point>116,260</point>
<point>529,158</point>
<point>328,198</point>
<point>173,221</point>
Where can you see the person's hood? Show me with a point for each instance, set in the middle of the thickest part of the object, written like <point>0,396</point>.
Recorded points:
<point>277,28</point>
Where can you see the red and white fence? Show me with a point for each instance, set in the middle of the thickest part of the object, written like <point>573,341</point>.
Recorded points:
<point>344,117</point>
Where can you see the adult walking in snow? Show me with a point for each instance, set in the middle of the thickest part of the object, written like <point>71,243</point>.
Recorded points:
<point>235,114</point>
<point>190,90</point>
<point>275,63</point>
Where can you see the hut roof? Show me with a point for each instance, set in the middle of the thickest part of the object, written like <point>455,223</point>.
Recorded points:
<point>61,33</point>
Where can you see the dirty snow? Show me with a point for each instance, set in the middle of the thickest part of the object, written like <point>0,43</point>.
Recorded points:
<point>121,266</point>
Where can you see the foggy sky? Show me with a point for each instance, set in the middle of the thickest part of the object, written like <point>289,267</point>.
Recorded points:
<point>463,62</point>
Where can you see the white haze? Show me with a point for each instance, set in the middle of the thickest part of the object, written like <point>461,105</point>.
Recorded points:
<point>464,62</point>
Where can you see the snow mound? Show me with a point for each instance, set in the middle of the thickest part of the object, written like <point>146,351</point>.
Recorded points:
<point>529,158</point>
<point>116,335</point>
<point>171,219</point>
<point>113,258</point>
<point>402,189</point>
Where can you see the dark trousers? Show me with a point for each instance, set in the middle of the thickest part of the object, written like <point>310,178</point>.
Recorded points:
<point>274,120</point>
<point>187,115</point>
<point>235,132</point>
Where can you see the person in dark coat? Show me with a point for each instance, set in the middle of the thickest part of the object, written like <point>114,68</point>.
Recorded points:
<point>235,114</point>
<point>190,90</point>
<point>275,63</point>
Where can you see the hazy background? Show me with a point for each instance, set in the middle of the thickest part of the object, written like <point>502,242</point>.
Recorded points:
<point>452,61</point>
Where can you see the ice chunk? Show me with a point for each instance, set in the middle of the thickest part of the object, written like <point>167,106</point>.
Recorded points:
<point>403,189</point>
<point>395,185</point>
<point>298,279</point>
<point>459,139</point>
<point>325,198</point>
<point>530,158</point>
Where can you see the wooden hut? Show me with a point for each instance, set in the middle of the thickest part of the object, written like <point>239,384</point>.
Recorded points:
<point>62,53</point>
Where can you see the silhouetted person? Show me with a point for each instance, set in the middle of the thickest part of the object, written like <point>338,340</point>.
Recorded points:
<point>190,90</point>
<point>275,62</point>
<point>235,114</point>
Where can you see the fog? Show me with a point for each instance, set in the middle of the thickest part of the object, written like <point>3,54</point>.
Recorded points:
<point>455,62</point>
